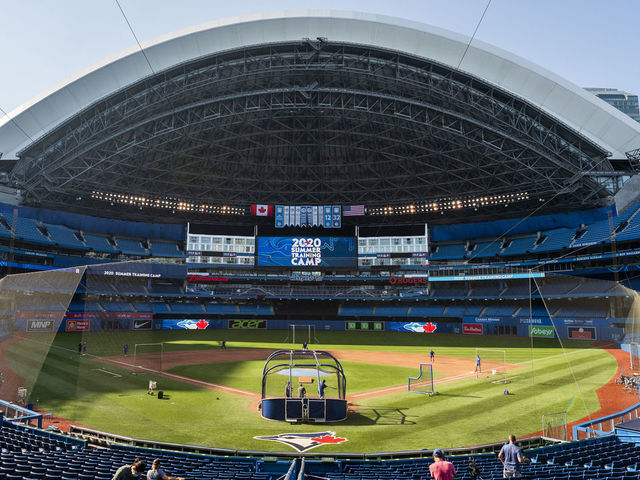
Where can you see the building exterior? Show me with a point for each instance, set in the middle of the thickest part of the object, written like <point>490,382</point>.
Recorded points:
<point>625,102</point>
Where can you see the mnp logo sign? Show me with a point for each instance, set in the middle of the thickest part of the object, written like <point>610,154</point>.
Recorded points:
<point>40,326</point>
<point>541,331</point>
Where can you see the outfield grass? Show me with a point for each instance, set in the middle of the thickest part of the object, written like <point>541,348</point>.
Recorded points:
<point>465,412</point>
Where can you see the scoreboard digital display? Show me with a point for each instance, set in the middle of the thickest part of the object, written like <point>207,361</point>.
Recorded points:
<point>306,252</point>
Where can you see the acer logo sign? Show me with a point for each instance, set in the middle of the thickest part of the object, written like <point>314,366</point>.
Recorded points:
<point>409,280</point>
<point>247,324</point>
<point>40,326</point>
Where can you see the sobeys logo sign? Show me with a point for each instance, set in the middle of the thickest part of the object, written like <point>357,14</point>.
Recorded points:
<point>540,331</point>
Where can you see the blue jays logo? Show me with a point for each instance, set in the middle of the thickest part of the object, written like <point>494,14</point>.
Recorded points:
<point>192,325</point>
<point>304,441</point>
<point>421,327</point>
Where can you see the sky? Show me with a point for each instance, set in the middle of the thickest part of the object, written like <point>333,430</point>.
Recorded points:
<point>593,43</point>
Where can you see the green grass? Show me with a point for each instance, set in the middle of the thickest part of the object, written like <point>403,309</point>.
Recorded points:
<point>465,412</point>
<point>246,376</point>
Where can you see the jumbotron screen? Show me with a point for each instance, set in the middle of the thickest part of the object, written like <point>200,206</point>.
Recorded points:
<point>324,252</point>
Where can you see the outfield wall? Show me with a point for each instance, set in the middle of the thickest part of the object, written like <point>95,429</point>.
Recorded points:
<point>566,328</point>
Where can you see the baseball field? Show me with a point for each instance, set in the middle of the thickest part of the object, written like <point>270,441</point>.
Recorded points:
<point>212,396</point>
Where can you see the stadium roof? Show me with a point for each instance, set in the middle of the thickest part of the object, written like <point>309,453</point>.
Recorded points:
<point>318,107</point>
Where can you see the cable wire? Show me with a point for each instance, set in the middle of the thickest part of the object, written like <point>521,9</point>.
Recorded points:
<point>472,36</point>
<point>135,36</point>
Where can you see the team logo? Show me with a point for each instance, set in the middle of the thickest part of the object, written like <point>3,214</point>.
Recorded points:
<point>305,441</point>
<point>193,325</point>
<point>421,327</point>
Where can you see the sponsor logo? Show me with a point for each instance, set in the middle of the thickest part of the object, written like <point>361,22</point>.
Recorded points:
<point>582,333</point>
<point>78,325</point>
<point>40,325</point>
<point>540,331</point>
<point>472,329</point>
<point>421,327</point>
<point>409,280</point>
<point>206,278</point>
<point>247,324</point>
<point>193,325</point>
<point>305,441</point>
<point>142,324</point>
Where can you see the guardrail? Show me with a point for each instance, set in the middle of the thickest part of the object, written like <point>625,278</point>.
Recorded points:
<point>104,439</point>
<point>605,425</point>
<point>13,413</point>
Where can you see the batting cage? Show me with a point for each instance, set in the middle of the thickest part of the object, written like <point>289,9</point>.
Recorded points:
<point>303,386</point>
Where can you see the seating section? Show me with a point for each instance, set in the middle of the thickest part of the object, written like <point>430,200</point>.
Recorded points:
<point>130,246</point>
<point>519,246</point>
<point>99,243</point>
<point>486,249</point>
<point>64,236</point>
<point>602,458</point>
<point>165,249</point>
<point>29,454</point>
<point>457,250</point>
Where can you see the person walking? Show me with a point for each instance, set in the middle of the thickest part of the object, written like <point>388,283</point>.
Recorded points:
<point>511,457</point>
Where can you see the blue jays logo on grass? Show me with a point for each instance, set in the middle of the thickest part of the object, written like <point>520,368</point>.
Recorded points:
<point>304,441</point>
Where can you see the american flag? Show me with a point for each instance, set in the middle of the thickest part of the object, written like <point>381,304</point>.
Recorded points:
<point>353,210</point>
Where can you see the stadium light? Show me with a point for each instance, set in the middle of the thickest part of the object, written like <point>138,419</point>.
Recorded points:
<point>167,203</point>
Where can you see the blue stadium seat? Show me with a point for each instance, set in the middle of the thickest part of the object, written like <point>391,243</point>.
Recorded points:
<point>131,246</point>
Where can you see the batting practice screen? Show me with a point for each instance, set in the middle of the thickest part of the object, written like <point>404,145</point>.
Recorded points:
<point>297,252</point>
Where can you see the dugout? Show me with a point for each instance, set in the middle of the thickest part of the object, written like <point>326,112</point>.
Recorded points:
<point>286,371</point>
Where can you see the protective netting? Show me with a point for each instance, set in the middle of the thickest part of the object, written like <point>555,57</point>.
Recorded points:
<point>587,316</point>
<point>33,308</point>
<point>423,382</point>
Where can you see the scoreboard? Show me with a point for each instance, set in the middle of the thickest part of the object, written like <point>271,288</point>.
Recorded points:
<point>306,252</point>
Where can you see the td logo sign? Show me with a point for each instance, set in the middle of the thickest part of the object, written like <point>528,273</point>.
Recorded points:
<point>541,331</point>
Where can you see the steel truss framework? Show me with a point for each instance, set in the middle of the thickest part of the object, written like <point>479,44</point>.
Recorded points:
<point>313,122</point>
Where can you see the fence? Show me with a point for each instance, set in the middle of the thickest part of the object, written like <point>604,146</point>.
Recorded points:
<point>605,425</point>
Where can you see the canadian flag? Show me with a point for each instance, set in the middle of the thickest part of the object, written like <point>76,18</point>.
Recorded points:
<point>262,210</point>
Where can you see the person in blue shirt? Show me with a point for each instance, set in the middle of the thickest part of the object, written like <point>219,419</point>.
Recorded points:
<point>511,457</point>
<point>432,355</point>
<point>478,367</point>
<point>321,386</point>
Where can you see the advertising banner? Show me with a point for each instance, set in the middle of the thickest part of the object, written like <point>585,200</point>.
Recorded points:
<point>247,324</point>
<point>40,325</point>
<point>415,327</point>
<point>581,333</point>
<point>142,324</point>
<point>185,324</point>
<point>472,328</point>
<point>306,252</point>
<point>541,331</point>
<point>78,325</point>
